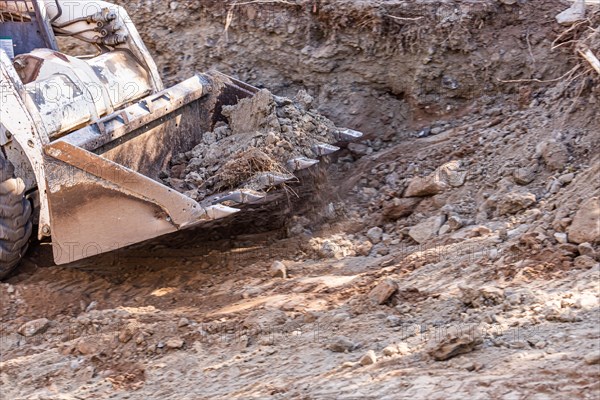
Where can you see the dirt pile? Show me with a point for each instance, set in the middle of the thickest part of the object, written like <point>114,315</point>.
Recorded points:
<point>264,135</point>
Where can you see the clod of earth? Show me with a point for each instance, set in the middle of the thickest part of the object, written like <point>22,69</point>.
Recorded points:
<point>454,346</point>
<point>34,327</point>
<point>427,229</point>
<point>278,270</point>
<point>586,226</point>
<point>341,344</point>
<point>369,358</point>
<point>383,291</point>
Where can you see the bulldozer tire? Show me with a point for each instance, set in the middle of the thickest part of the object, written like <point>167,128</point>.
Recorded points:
<point>15,218</point>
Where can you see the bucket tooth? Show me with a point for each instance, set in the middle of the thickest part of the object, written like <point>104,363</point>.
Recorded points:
<point>220,211</point>
<point>269,179</point>
<point>300,163</point>
<point>348,135</point>
<point>242,197</point>
<point>323,149</point>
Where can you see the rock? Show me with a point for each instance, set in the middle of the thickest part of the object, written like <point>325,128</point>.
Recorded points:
<point>310,317</point>
<point>568,249</point>
<point>177,184</point>
<point>438,129</point>
<point>444,229</point>
<point>554,154</point>
<point>451,174</point>
<point>341,344</point>
<point>491,295</point>
<point>561,316</point>
<point>586,249</point>
<point>383,291</point>
<point>330,249</point>
<point>453,346</point>
<point>555,186</point>
<point>304,99</point>
<point>524,176</point>
<point>364,248</point>
<point>513,202</point>
<point>358,149</point>
<point>392,179</point>
<point>368,359</point>
<point>341,317</point>
<point>278,270</point>
<point>374,234</point>
<point>178,171</point>
<point>427,229</point>
<point>34,327</point>
<point>265,318</point>
<point>127,333</point>
<point>421,187</point>
<point>91,306</point>
<point>87,347</point>
<point>592,358</point>
<point>243,342</point>
<point>480,230</point>
<point>484,296</point>
<point>396,348</point>
<point>174,343</point>
<point>587,301</point>
<point>586,223</point>
<point>560,237</point>
<point>390,350</point>
<point>424,132</point>
<point>455,223</point>
<point>585,262</point>
<point>400,208</point>
<point>393,320</point>
<point>380,249</point>
<point>566,178</point>
<point>139,338</point>
<point>572,14</point>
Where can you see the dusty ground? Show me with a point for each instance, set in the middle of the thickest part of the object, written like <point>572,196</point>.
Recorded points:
<point>459,258</point>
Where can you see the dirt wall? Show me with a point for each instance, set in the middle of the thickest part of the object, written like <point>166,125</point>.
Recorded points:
<point>373,66</point>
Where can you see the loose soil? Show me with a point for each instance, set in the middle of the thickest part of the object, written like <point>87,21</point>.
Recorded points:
<point>263,135</point>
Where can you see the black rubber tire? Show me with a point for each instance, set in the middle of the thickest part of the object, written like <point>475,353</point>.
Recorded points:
<point>15,218</point>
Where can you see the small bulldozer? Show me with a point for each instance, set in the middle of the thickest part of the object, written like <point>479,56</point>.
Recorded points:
<point>84,139</point>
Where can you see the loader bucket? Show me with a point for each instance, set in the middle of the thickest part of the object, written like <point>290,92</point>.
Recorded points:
<point>104,190</point>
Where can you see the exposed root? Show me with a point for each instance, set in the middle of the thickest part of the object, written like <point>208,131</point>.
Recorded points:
<point>230,13</point>
<point>568,73</point>
<point>243,166</point>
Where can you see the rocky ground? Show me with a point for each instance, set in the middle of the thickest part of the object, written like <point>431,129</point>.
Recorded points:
<point>457,255</point>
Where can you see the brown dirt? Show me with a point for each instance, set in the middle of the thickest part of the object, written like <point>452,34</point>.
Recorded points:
<point>262,134</point>
<point>509,309</point>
